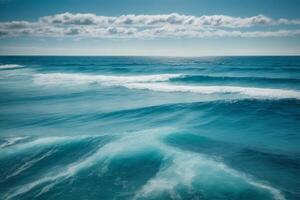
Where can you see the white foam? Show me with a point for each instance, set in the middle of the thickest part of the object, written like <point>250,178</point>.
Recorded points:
<point>159,83</point>
<point>26,188</point>
<point>43,141</point>
<point>10,66</point>
<point>63,78</point>
<point>247,91</point>
<point>11,141</point>
<point>126,144</point>
<point>182,170</point>
<point>52,176</point>
<point>29,164</point>
<point>188,168</point>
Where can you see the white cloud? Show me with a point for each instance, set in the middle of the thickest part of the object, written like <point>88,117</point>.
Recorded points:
<point>147,26</point>
<point>158,20</point>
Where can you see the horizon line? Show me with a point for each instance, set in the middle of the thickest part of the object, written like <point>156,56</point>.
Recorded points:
<point>183,56</point>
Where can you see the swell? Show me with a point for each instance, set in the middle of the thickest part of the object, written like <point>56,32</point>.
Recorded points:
<point>179,169</point>
<point>46,155</point>
<point>29,164</point>
<point>259,162</point>
<point>183,114</point>
<point>33,143</point>
<point>260,69</point>
<point>289,105</point>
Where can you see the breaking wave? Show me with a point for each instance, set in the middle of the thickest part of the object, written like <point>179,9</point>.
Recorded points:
<point>248,91</point>
<point>59,78</point>
<point>179,168</point>
<point>159,82</point>
<point>10,66</point>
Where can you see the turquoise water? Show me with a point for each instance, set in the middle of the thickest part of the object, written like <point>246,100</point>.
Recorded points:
<point>150,128</point>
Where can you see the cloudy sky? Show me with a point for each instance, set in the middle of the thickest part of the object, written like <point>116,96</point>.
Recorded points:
<point>150,27</point>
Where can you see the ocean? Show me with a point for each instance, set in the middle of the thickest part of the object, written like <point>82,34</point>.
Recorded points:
<point>104,128</point>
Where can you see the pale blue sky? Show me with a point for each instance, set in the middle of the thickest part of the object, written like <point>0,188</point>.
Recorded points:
<point>231,27</point>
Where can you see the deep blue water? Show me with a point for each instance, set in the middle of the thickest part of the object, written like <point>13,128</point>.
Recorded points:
<point>150,128</point>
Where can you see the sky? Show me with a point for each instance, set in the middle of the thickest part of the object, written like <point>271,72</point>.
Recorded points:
<point>150,27</point>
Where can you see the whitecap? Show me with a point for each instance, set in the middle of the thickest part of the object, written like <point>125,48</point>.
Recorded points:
<point>159,83</point>
<point>11,66</point>
<point>264,93</point>
<point>63,78</point>
<point>188,168</point>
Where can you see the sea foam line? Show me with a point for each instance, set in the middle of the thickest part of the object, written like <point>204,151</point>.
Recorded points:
<point>11,141</point>
<point>59,78</point>
<point>10,66</point>
<point>30,163</point>
<point>159,83</point>
<point>248,91</point>
<point>37,143</point>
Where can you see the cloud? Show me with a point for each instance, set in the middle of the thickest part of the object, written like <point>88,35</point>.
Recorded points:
<point>72,19</point>
<point>158,20</point>
<point>147,26</point>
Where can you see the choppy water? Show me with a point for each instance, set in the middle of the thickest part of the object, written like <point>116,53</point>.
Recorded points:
<point>150,128</point>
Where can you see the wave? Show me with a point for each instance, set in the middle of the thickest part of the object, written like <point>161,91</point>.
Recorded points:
<point>29,164</point>
<point>158,83</point>
<point>265,93</point>
<point>261,69</point>
<point>59,78</point>
<point>235,79</point>
<point>194,170</point>
<point>179,168</point>
<point>109,150</point>
<point>11,66</point>
<point>36,143</point>
<point>11,141</point>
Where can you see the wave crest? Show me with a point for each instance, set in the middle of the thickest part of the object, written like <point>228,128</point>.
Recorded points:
<point>248,91</point>
<point>10,66</point>
<point>59,78</point>
<point>159,83</point>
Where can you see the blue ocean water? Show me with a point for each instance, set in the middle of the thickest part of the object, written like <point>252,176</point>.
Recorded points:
<point>150,128</point>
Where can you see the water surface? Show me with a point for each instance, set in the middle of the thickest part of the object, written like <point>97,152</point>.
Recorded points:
<point>150,128</point>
